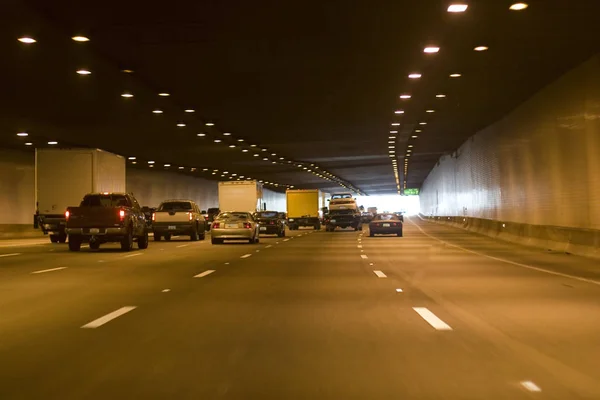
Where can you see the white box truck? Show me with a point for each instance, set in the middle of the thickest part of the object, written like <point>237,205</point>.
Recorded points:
<point>240,196</point>
<point>64,176</point>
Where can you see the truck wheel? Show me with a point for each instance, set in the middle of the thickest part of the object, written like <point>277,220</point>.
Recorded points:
<point>94,245</point>
<point>168,237</point>
<point>317,227</point>
<point>157,237</point>
<point>371,234</point>
<point>143,241</point>
<point>54,238</point>
<point>257,239</point>
<point>399,234</point>
<point>74,243</point>
<point>194,235</point>
<point>127,241</point>
<point>203,235</point>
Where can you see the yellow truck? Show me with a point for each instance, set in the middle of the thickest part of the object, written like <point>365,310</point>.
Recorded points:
<point>304,208</point>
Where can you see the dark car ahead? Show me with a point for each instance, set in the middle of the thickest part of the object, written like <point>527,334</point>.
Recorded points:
<point>271,223</point>
<point>386,224</point>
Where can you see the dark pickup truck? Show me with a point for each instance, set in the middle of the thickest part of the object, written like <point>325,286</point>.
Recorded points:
<point>343,219</point>
<point>107,217</point>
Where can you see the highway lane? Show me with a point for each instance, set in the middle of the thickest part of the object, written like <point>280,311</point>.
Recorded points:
<point>322,315</point>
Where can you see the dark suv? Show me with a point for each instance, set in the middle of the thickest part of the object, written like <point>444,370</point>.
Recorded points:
<point>270,222</point>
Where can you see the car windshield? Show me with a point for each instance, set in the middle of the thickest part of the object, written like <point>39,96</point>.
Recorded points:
<point>341,196</point>
<point>105,200</point>
<point>386,217</point>
<point>267,214</point>
<point>233,215</point>
<point>213,211</point>
<point>176,206</point>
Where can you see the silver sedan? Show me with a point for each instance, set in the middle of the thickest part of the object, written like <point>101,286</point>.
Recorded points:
<point>234,225</point>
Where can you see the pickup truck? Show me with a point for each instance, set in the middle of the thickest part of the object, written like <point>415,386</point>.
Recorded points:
<point>107,217</point>
<point>343,219</point>
<point>178,217</point>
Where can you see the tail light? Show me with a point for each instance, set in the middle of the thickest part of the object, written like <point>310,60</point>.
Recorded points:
<point>247,225</point>
<point>190,216</point>
<point>206,217</point>
<point>216,225</point>
<point>67,214</point>
<point>121,215</point>
<point>153,217</point>
<point>272,223</point>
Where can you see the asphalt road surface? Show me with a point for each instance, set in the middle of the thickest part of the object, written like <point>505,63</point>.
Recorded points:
<point>437,314</point>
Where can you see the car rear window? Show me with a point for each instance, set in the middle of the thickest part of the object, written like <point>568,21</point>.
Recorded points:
<point>175,206</point>
<point>233,215</point>
<point>267,214</point>
<point>213,211</point>
<point>105,200</point>
<point>387,217</point>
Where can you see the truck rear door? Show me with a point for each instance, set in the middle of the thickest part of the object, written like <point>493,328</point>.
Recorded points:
<point>179,211</point>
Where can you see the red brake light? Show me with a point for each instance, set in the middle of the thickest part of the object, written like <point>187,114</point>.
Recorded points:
<point>216,225</point>
<point>206,217</point>
<point>247,225</point>
<point>67,214</point>
<point>153,216</point>
<point>121,215</point>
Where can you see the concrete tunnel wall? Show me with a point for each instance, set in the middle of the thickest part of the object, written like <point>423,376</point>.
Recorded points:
<point>17,199</point>
<point>536,171</point>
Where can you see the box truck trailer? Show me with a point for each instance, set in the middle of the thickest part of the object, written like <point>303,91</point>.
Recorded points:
<point>64,176</point>
<point>304,208</point>
<point>240,196</point>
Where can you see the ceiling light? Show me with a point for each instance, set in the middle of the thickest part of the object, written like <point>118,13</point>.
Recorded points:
<point>52,143</point>
<point>204,169</point>
<point>391,141</point>
<point>181,167</point>
<point>150,162</point>
<point>192,169</point>
<point>430,111</point>
<point>225,172</point>
<point>414,76</point>
<point>80,39</point>
<point>455,75</point>
<point>440,96</point>
<point>418,130</point>
<point>209,124</point>
<point>22,134</point>
<point>422,123</point>
<point>127,95</point>
<point>27,40</point>
<point>244,150</point>
<point>189,110</point>
<point>273,162</point>
<point>240,140</point>
<point>256,155</point>
<point>456,8</point>
<point>391,147</point>
<point>157,111</point>
<point>231,146</point>
<point>217,140</point>
<point>393,131</point>
<point>273,154</point>
<point>252,145</point>
<point>263,149</point>
<point>233,174</point>
<point>414,136</point>
<point>409,150</point>
<point>151,166</point>
<point>396,124</point>
<point>399,112</point>
<point>167,165</point>
<point>164,94</point>
<point>131,158</point>
<point>127,71</point>
<point>480,48</point>
<point>214,173</point>
<point>431,49</point>
<point>281,158</point>
<point>226,134</point>
<point>181,125</point>
<point>519,6</point>
<point>83,72</point>
<point>265,159</point>
<point>405,96</point>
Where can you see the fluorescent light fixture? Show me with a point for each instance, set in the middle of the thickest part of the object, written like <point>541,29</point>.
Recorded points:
<point>422,123</point>
<point>226,134</point>
<point>231,146</point>
<point>455,75</point>
<point>414,76</point>
<point>439,96</point>
<point>27,40</point>
<point>131,158</point>
<point>391,147</point>
<point>431,49</point>
<point>265,159</point>
<point>391,141</point>
<point>157,111</point>
<point>456,8</point>
<point>264,150</point>
<point>127,71</point>
<point>519,6</point>
<point>414,136</point>
<point>52,143</point>
<point>189,110</point>
<point>252,145</point>
<point>430,111</point>
<point>205,169</point>
<point>399,112</point>
<point>28,144</point>
<point>150,162</point>
<point>405,96</point>
<point>164,94</point>
<point>127,95</point>
<point>181,167</point>
<point>273,154</point>
<point>181,125</point>
<point>209,124</point>
<point>244,150</point>
<point>240,140</point>
<point>83,72</point>
<point>256,155</point>
<point>22,134</point>
<point>217,140</point>
<point>480,48</point>
<point>80,39</point>
<point>167,165</point>
<point>396,124</point>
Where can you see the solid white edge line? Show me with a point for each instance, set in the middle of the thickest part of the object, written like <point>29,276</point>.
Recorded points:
<point>269,246</point>
<point>532,387</point>
<point>108,317</point>
<point>363,256</point>
<point>182,245</point>
<point>246,256</point>
<point>286,240</point>
<point>133,255</point>
<point>203,274</point>
<point>593,282</point>
<point>432,319</point>
<point>10,255</point>
<point>380,274</point>
<point>48,270</point>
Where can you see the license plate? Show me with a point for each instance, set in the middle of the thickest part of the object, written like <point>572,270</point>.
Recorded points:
<point>172,227</point>
<point>386,225</point>
<point>231,226</point>
<point>94,230</point>
<point>263,228</point>
<point>333,220</point>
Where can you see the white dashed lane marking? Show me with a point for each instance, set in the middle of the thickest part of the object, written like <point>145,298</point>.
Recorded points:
<point>532,387</point>
<point>203,274</point>
<point>363,256</point>
<point>432,319</point>
<point>246,256</point>
<point>48,270</point>
<point>380,274</point>
<point>182,245</point>
<point>269,246</point>
<point>286,240</point>
<point>108,317</point>
<point>10,255</point>
<point>132,255</point>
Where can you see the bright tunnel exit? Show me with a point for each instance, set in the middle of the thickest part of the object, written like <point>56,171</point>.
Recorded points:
<point>392,203</point>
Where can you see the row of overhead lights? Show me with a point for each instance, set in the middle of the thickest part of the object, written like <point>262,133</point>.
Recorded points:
<point>315,170</point>
<point>453,8</point>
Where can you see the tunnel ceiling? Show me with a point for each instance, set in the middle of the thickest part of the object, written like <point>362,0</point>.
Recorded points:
<point>315,84</point>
